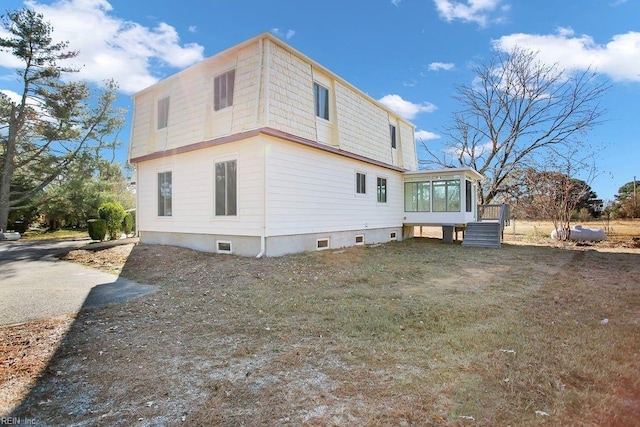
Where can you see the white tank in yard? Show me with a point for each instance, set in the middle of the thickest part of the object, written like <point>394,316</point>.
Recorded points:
<point>580,233</point>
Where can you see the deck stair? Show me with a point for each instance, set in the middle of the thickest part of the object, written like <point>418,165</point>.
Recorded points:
<point>483,234</point>
<point>488,232</point>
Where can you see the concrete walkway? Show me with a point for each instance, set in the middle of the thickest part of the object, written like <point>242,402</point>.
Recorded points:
<point>34,284</point>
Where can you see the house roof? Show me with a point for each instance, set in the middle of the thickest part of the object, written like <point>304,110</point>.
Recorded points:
<point>262,131</point>
<point>448,171</point>
<point>292,50</point>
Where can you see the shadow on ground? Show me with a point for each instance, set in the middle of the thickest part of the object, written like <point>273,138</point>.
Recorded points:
<point>47,402</point>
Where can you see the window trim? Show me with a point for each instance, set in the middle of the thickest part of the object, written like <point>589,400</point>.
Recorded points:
<point>446,183</point>
<point>323,243</point>
<point>393,134</point>
<point>164,120</point>
<point>379,186</point>
<point>224,251</point>
<point>319,89</point>
<point>159,194</point>
<point>415,185</point>
<point>359,240</point>
<point>216,215</point>
<point>364,184</point>
<point>229,90</point>
<point>468,195</point>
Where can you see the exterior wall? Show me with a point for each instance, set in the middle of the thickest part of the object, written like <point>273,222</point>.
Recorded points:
<point>282,245</point>
<point>310,191</point>
<point>273,88</point>
<point>241,245</point>
<point>191,112</point>
<point>290,93</point>
<point>193,190</point>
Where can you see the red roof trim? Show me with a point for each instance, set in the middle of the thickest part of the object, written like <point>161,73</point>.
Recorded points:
<point>265,131</point>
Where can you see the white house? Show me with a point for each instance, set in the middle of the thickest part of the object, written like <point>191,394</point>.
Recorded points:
<point>259,150</point>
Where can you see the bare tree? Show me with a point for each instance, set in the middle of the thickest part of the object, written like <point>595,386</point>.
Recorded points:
<point>517,109</point>
<point>51,122</point>
<point>552,190</point>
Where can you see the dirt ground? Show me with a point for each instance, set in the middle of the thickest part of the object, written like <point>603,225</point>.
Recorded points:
<point>406,333</point>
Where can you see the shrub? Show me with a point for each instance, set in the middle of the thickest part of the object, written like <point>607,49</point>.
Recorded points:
<point>113,214</point>
<point>97,229</point>
<point>127,223</point>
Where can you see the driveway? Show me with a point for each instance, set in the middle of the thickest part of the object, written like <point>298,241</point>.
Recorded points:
<point>34,284</point>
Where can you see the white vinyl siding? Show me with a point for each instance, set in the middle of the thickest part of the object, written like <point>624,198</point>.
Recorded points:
<point>193,191</point>
<point>302,197</point>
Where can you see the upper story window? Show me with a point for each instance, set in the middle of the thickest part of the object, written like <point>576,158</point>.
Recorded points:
<point>223,90</point>
<point>163,112</point>
<point>165,191</point>
<point>392,132</point>
<point>361,183</point>
<point>382,190</point>
<point>321,100</point>
<point>225,188</point>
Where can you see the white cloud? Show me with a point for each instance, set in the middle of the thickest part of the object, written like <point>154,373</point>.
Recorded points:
<point>111,47</point>
<point>192,29</point>
<point>437,66</point>
<point>13,96</point>
<point>619,58</point>
<point>406,109</point>
<point>425,135</point>
<point>395,2</point>
<point>478,11</point>
<point>283,34</point>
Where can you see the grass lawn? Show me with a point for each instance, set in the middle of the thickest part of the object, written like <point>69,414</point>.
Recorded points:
<point>407,333</point>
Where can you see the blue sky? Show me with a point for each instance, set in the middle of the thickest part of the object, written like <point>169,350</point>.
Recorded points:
<point>410,54</point>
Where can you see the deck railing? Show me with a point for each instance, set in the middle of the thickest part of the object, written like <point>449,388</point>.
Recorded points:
<point>499,213</point>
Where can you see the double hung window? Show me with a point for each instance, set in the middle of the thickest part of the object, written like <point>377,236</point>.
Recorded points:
<point>223,90</point>
<point>225,188</point>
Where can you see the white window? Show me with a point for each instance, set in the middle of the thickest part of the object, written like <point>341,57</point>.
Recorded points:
<point>392,235</point>
<point>225,188</point>
<point>360,239</point>
<point>392,132</point>
<point>223,90</point>
<point>381,190</point>
<point>417,196</point>
<point>322,244</point>
<point>321,100</point>
<point>446,196</point>
<point>361,183</point>
<point>165,191</point>
<point>163,112</point>
<point>224,247</point>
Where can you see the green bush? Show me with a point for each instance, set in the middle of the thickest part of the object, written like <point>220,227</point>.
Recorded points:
<point>97,229</point>
<point>127,223</point>
<point>113,214</point>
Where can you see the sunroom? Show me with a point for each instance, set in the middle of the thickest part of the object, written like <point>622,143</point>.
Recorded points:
<point>443,197</point>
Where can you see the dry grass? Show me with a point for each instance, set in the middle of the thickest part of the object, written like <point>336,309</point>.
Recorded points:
<point>410,333</point>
